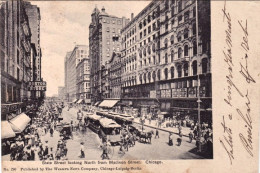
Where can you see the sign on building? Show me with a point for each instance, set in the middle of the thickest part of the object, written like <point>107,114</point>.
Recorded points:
<point>37,86</point>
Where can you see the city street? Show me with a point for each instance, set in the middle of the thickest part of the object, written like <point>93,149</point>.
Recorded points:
<point>160,147</point>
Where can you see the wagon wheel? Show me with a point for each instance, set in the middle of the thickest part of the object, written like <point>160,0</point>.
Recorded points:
<point>110,151</point>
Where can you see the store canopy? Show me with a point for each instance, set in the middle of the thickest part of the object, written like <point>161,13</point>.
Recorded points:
<point>74,101</point>
<point>19,123</point>
<point>108,123</point>
<point>108,103</point>
<point>79,101</point>
<point>7,131</point>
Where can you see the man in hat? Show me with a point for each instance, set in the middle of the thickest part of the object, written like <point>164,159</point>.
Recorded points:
<point>82,150</point>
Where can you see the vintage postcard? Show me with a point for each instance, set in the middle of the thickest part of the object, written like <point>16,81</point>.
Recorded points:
<point>132,86</point>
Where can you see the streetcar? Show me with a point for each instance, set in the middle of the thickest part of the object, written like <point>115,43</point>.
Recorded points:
<point>109,131</point>
<point>93,122</point>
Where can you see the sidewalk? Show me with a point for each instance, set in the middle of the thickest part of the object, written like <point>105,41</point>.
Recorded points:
<point>185,130</point>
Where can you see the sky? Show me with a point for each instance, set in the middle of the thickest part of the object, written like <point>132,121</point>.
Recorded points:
<point>65,24</point>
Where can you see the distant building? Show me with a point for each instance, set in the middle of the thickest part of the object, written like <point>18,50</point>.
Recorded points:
<point>104,39</point>
<point>61,92</point>
<point>72,59</point>
<point>83,81</point>
<point>114,79</point>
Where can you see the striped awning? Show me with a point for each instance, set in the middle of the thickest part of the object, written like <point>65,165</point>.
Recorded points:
<point>19,123</point>
<point>108,103</point>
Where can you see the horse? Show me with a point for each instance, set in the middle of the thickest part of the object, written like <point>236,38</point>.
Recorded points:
<point>147,136</point>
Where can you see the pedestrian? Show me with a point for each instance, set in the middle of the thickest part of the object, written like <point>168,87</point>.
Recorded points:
<point>190,136</point>
<point>82,150</point>
<point>170,139</point>
<point>51,131</point>
<point>157,133</point>
<point>58,154</point>
<point>179,140</point>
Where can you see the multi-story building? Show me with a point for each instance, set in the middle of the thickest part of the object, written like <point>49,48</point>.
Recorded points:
<point>66,75</point>
<point>15,50</point>
<point>104,38</point>
<point>114,78</point>
<point>61,92</point>
<point>169,63</point>
<point>33,13</point>
<point>72,59</point>
<point>83,81</point>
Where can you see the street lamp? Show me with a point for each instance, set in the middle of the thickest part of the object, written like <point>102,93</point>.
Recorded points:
<point>198,86</point>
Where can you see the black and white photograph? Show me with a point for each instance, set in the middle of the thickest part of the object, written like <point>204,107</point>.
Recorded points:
<point>106,80</point>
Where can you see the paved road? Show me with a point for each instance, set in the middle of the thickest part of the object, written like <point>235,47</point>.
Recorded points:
<point>159,149</point>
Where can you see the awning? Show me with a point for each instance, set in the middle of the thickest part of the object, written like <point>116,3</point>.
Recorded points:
<point>19,123</point>
<point>108,103</point>
<point>7,131</point>
<point>74,101</point>
<point>79,101</point>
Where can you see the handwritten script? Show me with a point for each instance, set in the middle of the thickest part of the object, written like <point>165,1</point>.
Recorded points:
<point>234,89</point>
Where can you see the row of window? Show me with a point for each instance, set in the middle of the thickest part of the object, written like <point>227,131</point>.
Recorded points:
<point>113,21</point>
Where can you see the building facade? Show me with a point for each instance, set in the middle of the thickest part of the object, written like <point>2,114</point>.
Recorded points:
<point>164,70</point>
<point>17,54</point>
<point>114,78</point>
<point>72,59</point>
<point>83,81</point>
<point>104,39</point>
<point>61,92</point>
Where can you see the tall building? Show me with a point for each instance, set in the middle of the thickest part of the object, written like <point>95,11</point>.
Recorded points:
<point>104,39</point>
<point>83,81</point>
<point>72,59</point>
<point>33,13</point>
<point>166,67</point>
<point>15,52</point>
<point>61,92</point>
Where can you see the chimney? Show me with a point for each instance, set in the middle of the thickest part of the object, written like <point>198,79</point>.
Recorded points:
<point>132,16</point>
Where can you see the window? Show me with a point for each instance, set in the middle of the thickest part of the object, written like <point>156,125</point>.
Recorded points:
<point>154,61</point>
<point>172,72</point>
<point>145,32</point>
<point>159,74</point>
<point>149,77</point>
<point>113,21</point>
<point>154,76</point>
<point>166,58</point>
<point>186,33</point>
<point>194,67</point>
<point>172,39</point>
<point>144,52</point>
<point>172,12</point>
<point>179,5</point>
<point>144,22</point>
<point>140,78</point>
<point>108,29</point>
<point>154,26</point>
<point>179,69</point>
<point>166,43</point>
<point>149,50</point>
<point>180,18</point>
<point>149,40</point>
<point>166,73</point>
<point>194,11</point>
<point>172,56</point>
<point>144,42</point>
<point>179,38</point>
<point>166,26</point>
<point>186,50</point>
<point>153,47</point>
<point>144,78</point>
<point>179,53</point>
<point>194,48</point>
<point>186,69</point>
<point>204,65</point>
<point>194,29</point>
<point>149,29</point>
<point>114,30</point>
<point>140,25</point>
<point>119,22</point>
<point>186,16</point>
<point>141,35</point>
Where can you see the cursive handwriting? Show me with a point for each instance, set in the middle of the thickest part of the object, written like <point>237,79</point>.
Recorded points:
<point>247,142</point>
<point>227,143</point>
<point>245,45</point>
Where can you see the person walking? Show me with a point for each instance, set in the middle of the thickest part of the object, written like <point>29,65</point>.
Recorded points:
<point>82,150</point>
<point>179,140</point>
<point>170,139</point>
<point>157,133</point>
<point>190,136</point>
<point>51,131</point>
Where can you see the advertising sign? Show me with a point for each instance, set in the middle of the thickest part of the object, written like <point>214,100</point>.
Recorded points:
<point>37,86</point>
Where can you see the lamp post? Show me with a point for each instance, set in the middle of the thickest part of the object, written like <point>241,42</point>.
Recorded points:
<point>198,86</point>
